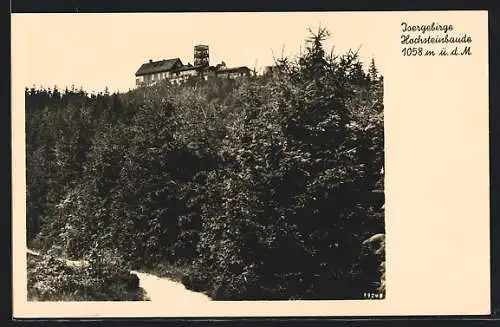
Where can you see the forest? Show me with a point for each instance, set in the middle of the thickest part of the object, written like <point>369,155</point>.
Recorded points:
<point>267,187</point>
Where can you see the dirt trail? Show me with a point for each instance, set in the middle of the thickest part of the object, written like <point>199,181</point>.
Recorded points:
<point>165,290</point>
<point>157,288</point>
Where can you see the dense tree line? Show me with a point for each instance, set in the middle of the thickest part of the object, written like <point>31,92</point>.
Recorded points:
<point>267,187</point>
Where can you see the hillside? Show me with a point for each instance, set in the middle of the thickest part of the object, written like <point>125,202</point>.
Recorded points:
<point>263,187</point>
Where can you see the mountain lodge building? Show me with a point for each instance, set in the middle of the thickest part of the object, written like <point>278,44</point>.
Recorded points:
<point>175,71</point>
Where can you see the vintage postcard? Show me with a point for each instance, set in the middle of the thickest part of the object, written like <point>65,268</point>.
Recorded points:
<point>250,164</point>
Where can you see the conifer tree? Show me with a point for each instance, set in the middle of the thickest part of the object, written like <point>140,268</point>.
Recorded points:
<point>373,71</point>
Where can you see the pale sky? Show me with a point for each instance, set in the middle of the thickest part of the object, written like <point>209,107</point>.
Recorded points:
<point>99,50</point>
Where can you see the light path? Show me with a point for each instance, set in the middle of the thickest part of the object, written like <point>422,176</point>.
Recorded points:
<point>167,291</point>
<point>157,289</point>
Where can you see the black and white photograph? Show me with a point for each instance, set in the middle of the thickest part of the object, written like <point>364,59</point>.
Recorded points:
<point>192,158</point>
<point>232,181</point>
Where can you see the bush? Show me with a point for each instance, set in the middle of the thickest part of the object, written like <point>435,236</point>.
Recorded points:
<point>51,279</point>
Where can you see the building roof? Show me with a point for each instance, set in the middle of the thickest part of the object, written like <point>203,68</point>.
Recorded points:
<point>209,68</point>
<point>186,67</point>
<point>234,69</point>
<point>158,66</point>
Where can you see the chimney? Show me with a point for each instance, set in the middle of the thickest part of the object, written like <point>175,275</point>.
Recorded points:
<point>150,60</point>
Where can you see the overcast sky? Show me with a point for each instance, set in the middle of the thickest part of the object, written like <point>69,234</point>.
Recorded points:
<point>99,50</point>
